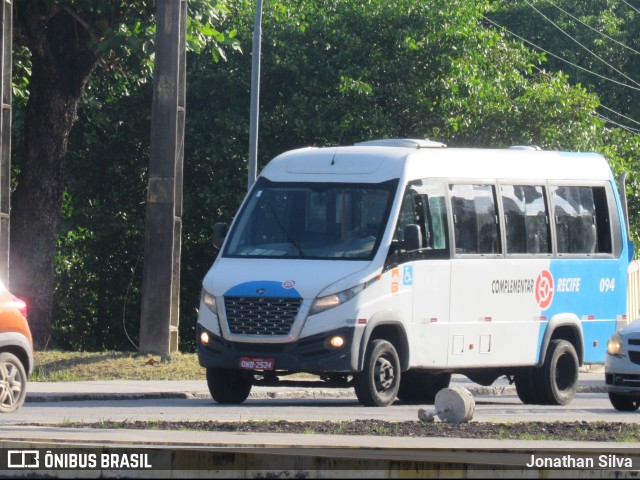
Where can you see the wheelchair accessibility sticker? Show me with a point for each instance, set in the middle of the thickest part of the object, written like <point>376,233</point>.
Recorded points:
<point>407,277</point>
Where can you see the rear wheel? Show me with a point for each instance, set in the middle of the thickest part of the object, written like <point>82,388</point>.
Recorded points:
<point>527,385</point>
<point>623,403</point>
<point>421,387</point>
<point>228,386</point>
<point>13,383</point>
<point>377,385</point>
<point>560,373</point>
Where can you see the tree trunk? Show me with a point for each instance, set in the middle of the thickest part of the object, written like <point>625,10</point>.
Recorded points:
<point>61,65</point>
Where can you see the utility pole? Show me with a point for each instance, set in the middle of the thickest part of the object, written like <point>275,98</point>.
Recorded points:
<point>256,52</point>
<point>6,35</point>
<point>163,225</point>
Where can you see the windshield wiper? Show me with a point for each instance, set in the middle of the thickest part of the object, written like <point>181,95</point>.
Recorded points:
<point>285,232</point>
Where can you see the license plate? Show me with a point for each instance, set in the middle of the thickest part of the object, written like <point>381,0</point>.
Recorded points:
<point>252,363</point>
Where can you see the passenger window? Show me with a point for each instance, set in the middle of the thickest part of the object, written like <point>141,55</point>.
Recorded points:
<point>438,222</point>
<point>526,219</point>
<point>422,223</point>
<point>581,220</point>
<point>475,219</point>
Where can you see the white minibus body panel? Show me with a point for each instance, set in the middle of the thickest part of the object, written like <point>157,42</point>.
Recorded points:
<point>388,265</point>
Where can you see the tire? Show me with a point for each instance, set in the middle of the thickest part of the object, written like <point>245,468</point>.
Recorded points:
<point>421,387</point>
<point>527,385</point>
<point>378,383</point>
<point>13,383</point>
<point>623,403</point>
<point>559,374</point>
<point>228,386</point>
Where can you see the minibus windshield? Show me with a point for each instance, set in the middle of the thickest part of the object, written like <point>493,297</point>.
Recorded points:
<point>312,220</point>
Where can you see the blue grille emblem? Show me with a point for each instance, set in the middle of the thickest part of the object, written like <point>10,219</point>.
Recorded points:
<point>261,291</point>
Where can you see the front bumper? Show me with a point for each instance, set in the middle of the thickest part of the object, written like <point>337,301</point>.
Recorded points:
<point>309,354</point>
<point>622,376</point>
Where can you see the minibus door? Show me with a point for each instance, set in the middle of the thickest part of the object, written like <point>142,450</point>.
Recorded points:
<point>430,322</point>
<point>422,257</point>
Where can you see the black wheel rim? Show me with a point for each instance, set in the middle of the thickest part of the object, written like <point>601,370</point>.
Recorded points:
<point>565,372</point>
<point>384,375</point>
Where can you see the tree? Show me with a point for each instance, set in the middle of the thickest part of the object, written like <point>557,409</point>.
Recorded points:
<point>333,72</point>
<point>595,42</point>
<point>67,39</point>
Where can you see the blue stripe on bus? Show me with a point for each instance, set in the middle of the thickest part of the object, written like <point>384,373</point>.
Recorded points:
<point>601,288</point>
<point>596,335</point>
<point>263,288</point>
<point>543,328</point>
<point>594,290</point>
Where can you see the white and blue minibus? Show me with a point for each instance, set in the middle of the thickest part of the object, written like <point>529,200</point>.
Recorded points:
<point>389,265</point>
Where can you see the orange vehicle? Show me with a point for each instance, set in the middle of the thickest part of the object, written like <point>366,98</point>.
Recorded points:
<point>16,351</point>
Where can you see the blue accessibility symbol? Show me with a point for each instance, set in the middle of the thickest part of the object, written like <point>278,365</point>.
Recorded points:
<point>407,277</point>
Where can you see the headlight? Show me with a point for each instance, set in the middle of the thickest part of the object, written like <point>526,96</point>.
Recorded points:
<point>615,346</point>
<point>210,301</point>
<point>321,304</point>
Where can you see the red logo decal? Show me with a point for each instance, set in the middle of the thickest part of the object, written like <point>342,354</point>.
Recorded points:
<point>288,284</point>
<point>544,289</point>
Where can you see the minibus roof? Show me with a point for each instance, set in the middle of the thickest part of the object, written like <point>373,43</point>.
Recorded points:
<point>374,162</point>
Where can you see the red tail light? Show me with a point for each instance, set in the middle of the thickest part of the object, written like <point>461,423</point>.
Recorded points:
<point>20,305</point>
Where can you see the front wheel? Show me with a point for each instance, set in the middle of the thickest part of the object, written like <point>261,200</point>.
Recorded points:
<point>377,385</point>
<point>228,386</point>
<point>13,383</point>
<point>623,403</point>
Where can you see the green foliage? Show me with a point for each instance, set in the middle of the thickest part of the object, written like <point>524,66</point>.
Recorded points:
<point>122,36</point>
<point>596,45</point>
<point>99,253</point>
<point>333,72</point>
<point>595,42</point>
<point>99,266</point>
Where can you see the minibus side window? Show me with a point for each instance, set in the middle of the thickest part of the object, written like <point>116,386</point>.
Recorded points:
<point>398,253</point>
<point>423,208</point>
<point>603,222</point>
<point>438,223</point>
<point>475,219</point>
<point>526,219</point>
<point>582,220</point>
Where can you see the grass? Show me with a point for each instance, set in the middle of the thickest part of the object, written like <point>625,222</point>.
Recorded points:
<point>58,366</point>
<point>545,431</point>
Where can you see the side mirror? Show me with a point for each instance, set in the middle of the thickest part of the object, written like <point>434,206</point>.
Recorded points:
<point>219,234</point>
<point>412,238</point>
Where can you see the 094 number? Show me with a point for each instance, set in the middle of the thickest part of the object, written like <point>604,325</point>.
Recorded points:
<point>607,284</point>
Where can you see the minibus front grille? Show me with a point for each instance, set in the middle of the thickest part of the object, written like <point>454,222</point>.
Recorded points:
<point>261,316</point>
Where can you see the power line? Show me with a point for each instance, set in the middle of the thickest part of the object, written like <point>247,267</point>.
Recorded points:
<point>579,44</point>
<point>594,29</point>
<point>631,6</point>
<point>620,114</point>
<point>624,127</point>
<point>630,129</point>
<point>561,58</point>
